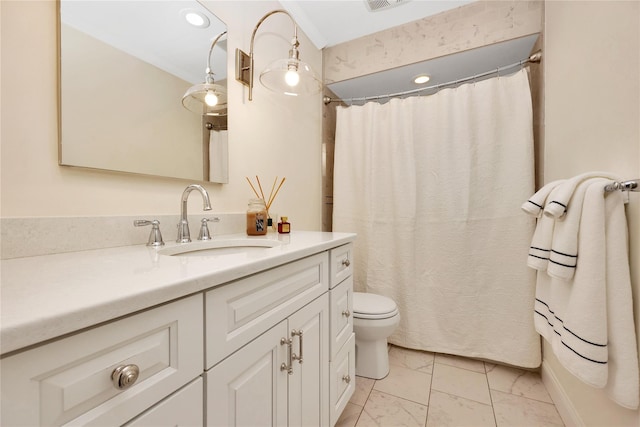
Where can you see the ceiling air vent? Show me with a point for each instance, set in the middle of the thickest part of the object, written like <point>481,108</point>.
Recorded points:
<point>376,5</point>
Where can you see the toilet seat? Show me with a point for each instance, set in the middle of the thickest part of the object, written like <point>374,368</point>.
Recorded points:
<point>372,306</point>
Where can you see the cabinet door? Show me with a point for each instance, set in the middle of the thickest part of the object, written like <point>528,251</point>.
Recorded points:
<point>309,382</point>
<point>250,388</point>
<point>341,308</point>
<point>343,378</point>
<point>183,409</point>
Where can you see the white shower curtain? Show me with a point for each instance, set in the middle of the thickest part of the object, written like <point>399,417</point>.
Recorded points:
<point>433,187</point>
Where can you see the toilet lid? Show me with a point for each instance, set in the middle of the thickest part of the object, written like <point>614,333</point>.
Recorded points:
<point>372,304</point>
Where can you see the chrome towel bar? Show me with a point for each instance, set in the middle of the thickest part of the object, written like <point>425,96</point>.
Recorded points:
<point>631,185</point>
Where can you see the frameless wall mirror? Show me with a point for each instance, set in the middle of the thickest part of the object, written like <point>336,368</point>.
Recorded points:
<point>124,68</point>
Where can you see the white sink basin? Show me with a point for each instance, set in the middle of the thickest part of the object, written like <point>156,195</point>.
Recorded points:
<point>219,247</point>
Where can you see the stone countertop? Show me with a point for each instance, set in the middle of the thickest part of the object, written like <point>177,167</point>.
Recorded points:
<point>45,297</point>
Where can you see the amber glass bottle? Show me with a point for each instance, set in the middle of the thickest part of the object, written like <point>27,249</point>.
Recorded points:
<point>256,218</point>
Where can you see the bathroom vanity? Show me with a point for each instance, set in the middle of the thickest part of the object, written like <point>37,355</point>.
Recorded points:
<point>259,335</point>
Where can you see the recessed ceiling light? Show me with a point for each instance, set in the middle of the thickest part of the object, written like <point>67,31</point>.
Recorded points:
<point>421,79</point>
<point>195,18</point>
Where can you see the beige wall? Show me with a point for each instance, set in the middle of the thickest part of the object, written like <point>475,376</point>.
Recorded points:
<point>265,135</point>
<point>592,122</point>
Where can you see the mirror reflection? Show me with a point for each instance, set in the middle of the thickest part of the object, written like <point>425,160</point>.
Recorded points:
<point>124,68</point>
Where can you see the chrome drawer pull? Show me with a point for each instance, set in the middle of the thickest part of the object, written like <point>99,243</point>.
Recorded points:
<point>346,313</point>
<point>125,376</point>
<point>346,262</point>
<point>299,334</point>
<point>346,378</point>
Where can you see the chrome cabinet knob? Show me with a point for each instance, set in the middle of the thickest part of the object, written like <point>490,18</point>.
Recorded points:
<point>124,376</point>
<point>346,313</point>
<point>346,262</point>
<point>346,378</point>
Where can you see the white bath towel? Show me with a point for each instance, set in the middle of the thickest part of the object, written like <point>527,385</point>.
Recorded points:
<point>563,257</point>
<point>535,205</point>
<point>623,384</point>
<point>589,320</point>
<point>558,205</point>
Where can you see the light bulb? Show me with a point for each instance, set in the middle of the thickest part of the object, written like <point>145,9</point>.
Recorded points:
<point>292,78</point>
<point>194,19</point>
<point>211,98</point>
<point>421,79</point>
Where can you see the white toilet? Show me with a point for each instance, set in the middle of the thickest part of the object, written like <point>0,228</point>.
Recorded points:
<point>375,317</point>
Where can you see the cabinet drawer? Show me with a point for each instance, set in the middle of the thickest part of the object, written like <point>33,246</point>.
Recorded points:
<point>70,380</point>
<point>239,311</point>
<point>343,378</point>
<point>341,263</point>
<point>184,408</point>
<point>341,303</point>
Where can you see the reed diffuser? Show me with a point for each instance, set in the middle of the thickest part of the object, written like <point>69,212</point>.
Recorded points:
<point>272,195</point>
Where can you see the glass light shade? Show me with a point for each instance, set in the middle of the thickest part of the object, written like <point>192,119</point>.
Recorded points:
<point>275,78</point>
<point>194,99</point>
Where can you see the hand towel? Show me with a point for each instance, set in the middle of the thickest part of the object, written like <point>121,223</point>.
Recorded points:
<point>558,205</point>
<point>535,205</point>
<point>563,256</point>
<point>540,247</point>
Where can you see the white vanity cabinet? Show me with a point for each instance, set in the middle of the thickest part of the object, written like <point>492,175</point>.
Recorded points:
<point>268,347</point>
<point>264,342</point>
<point>259,327</point>
<point>106,375</point>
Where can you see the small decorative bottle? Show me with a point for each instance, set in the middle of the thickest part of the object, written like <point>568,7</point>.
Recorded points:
<point>283,226</point>
<point>256,218</point>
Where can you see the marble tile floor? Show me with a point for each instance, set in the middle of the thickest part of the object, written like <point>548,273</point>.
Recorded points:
<point>438,390</point>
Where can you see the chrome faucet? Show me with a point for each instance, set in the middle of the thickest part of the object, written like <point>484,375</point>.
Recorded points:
<point>183,226</point>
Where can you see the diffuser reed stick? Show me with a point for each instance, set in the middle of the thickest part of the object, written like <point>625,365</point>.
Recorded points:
<point>272,187</point>
<point>272,194</point>
<point>261,192</point>
<point>252,187</point>
<point>272,198</point>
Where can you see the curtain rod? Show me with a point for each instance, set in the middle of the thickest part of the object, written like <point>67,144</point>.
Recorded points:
<point>535,57</point>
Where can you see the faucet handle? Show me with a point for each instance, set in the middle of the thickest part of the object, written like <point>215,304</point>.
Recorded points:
<point>204,229</point>
<point>155,238</point>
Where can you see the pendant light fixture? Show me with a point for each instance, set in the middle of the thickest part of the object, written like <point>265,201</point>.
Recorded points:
<point>288,76</point>
<point>207,98</point>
